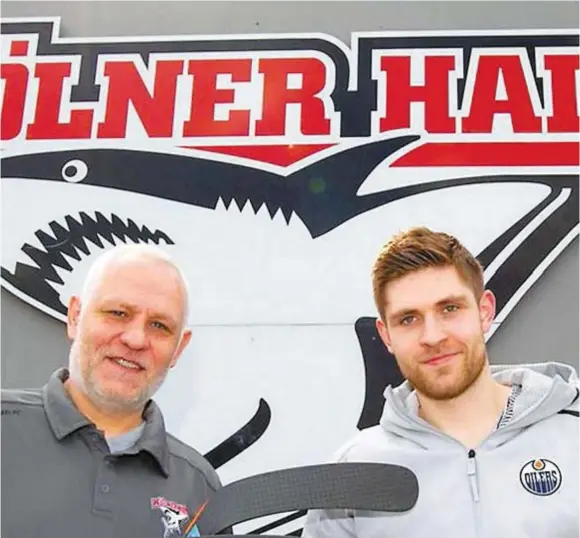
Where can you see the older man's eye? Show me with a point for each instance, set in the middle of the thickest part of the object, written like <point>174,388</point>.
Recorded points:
<point>161,326</point>
<point>451,308</point>
<point>116,313</point>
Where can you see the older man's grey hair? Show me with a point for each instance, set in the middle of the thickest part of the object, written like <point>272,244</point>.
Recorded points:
<point>132,252</point>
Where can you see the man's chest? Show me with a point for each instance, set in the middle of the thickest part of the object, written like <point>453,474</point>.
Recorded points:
<point>72,488</point>
<point>529,488</point>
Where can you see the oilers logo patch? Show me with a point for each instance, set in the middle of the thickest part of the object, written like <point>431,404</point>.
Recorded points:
<point>541,477</point>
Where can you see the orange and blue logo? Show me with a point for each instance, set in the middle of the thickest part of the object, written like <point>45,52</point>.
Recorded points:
<point>191,530</point>
<point>541,477</point>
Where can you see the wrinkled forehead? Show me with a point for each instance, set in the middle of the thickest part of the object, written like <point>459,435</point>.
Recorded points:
<point>140,282</point>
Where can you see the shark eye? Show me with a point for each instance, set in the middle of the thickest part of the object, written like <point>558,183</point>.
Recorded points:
<point>74,171</point>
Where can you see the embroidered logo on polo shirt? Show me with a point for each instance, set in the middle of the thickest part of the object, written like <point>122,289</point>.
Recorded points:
<point>541,477</point>
<point>173,516</point>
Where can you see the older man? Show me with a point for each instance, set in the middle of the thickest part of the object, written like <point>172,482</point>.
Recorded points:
<point>88,454</point>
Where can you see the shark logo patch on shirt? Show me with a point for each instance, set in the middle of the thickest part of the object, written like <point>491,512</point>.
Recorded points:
<point>173,516</point>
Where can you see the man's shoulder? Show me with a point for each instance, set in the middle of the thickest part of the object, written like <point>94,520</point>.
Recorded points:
<point>574,407</point>
<point>22,397</point>
<point>188,455</point>
<point>23,402</point>
<point>366,445</point>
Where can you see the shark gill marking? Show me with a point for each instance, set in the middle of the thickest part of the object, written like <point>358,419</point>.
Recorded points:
<point>71,239</point>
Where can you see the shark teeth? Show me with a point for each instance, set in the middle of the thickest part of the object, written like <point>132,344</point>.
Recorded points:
<point>62,273</point>
<point>220,206</point>
<point>249,206</point>
<point>55,286</point>
<point>280,217</point>
<point>93,247</point>
<point>69,258</point>
<point>262,211</point>
<point>253,211</point>
<point>51,255</point>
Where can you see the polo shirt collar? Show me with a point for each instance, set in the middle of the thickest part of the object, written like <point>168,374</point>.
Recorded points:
<point>63,416</point>
<point>64,419</point>
<point>154,438</point>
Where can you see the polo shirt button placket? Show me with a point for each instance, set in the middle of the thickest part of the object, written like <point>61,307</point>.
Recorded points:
<point>104,501</point>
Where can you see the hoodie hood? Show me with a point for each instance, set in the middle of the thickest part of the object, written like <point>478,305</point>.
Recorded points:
<point>546,389</point>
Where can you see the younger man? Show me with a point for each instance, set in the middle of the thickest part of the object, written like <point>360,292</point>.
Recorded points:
<point>495,448</point>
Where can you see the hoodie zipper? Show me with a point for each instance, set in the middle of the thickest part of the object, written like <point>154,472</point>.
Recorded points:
<point>474,487</point>
<point>471,455</point>
<point>471,466</point>
<point>472,475</point>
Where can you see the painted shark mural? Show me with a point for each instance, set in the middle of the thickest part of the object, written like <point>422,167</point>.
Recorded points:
<point>277,239</point>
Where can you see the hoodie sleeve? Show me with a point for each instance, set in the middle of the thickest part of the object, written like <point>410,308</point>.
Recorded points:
<point>329,524</point>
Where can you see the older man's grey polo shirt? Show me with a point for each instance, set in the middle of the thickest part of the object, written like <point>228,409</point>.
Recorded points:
<point>60,480</point>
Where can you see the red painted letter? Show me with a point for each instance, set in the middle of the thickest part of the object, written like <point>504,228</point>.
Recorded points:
<point>434,93</point>
<point>156,111</point>
<point>277,96</point>
<point>48,104</point>
<point>484,105</point>
<point>564,117</point>
<point>14,98</point>
<point>206,96</point>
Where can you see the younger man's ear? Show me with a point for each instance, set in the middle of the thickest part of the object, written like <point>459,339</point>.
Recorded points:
<point>384,334</point>
<point>487,305</point>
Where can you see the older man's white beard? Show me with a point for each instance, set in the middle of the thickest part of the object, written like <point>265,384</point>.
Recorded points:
<point>109,402</point>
